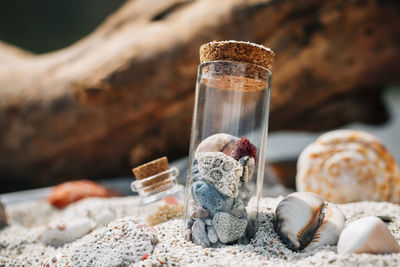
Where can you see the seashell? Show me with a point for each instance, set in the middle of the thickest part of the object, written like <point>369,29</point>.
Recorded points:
<point>207,197</point>
<point>346,165</point>
<point>367,235</point>
<point>297,218</point>
<point>221,171</point>
<point>199,234</point>
<point>248,164</point>
<point>220,142</point>
<point>66,193</point>
<point>329,231</point>
<point>228,227</point>
<point>212,234</point>
<point>60,233</point>
<point>3,216</point>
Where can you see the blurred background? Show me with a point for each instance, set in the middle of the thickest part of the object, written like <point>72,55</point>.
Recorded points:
<point>90,89</point>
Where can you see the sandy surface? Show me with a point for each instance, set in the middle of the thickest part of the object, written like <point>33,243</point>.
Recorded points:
<point>19,245</point>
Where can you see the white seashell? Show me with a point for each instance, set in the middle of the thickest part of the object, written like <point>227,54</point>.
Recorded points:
<point>329,231</point>
<point>3,216</point>
<point>220,142</point>
<point>345,165</point>
<point>367,235</point>
<point>60,233</point>
<point>297,218</point>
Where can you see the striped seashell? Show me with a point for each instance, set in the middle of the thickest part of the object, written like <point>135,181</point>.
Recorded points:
<point>304,221</point>
<point>346,165</point>
<point>297,218</point>
<point>329,231</point>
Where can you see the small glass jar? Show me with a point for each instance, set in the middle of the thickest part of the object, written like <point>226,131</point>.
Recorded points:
<point>161,197</point>
<point>228,143</point>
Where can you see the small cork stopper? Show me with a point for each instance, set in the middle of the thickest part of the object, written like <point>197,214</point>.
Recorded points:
<point>152,168</point>
<point>237,51</point>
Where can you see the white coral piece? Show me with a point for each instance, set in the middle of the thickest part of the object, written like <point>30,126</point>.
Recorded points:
<point>121,243</point>
<point>228,227</point>
<point>220,170</point>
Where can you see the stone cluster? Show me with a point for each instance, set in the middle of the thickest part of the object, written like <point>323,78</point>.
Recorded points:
<point>220,195</point>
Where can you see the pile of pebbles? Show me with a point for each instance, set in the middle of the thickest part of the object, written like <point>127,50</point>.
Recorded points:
<point>220,194</point>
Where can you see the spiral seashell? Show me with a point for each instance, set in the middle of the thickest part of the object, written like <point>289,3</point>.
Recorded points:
<point>367,235</point>
<point>345,166</point>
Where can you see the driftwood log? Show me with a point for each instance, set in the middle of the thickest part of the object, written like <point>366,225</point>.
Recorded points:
<point>124,94</point>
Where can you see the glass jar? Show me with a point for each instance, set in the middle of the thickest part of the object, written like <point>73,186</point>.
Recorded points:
<point>161,197</point>
<point>228,143</point>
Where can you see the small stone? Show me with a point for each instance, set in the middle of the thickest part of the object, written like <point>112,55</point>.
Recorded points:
<point>212,234</point>
<point>244,148</point>
<point>228,204</point>
<point>221,171</point>
<point>199,234</point>
<point>200,212</point>
<point>208,221</point>
<point>238,208</point>
<point>228,227</point>
<point>189,223</point>
<point>207,197</point>
<point>188,235</point>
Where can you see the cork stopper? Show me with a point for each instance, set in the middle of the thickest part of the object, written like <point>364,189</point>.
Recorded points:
<point>237,51</point>
<point>152,168</point>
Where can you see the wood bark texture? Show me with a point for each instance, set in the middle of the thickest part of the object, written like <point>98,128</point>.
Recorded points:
<point>124,94</point>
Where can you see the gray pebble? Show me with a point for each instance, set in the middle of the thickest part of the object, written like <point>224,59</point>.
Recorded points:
<point>199,234</point>
<point>212,234</point>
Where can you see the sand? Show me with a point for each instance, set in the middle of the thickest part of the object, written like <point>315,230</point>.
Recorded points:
<point>19,245</point>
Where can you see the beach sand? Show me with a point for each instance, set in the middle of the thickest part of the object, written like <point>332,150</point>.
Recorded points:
<point>20,245</point>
